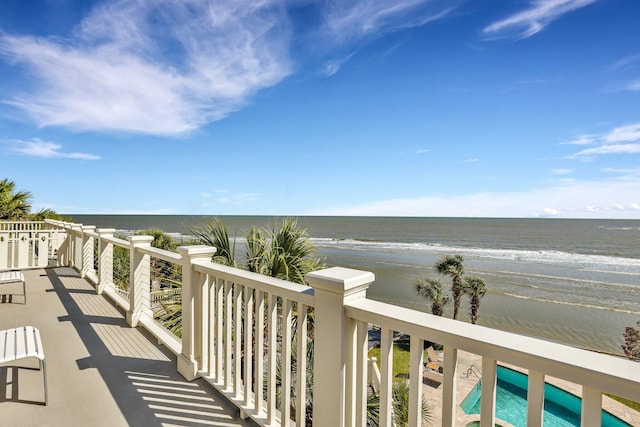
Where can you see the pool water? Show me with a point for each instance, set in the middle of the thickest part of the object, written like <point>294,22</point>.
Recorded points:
<point>561,409</point>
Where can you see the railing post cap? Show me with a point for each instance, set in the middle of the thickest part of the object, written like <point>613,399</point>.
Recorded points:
<point>340,280</point>
<point>106,230</point>
<point>88,227</point>
<point>199,251</point>
<point>138,240</point>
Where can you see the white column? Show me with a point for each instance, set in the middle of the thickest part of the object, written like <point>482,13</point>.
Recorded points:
<point>139,280</point>
<point>333,288</point>
<point>194,292</point>
<point>105,259</point>
<point>87,251</point>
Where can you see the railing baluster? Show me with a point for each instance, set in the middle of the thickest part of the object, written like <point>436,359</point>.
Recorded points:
<point>259,375</point>
<point>228,338</point>
<point>361,373</point>
<point>248,345</point>
<point>386,376</point>
<point>220,331</point>
<point>211,326</point>
<point>591,407</point>
<point>535,399</point>
<point>272,359</point>
<point>301,364</point>
<point>285,368</point>
<point>449,387</point>
<point>415,381</point>
<point>489,380</point>
<point>237,341</point>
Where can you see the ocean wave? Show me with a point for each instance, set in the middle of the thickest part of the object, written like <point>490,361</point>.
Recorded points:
<point>572,303</point>
<point>596,263</point>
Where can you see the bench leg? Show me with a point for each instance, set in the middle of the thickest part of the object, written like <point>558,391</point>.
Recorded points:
<point>43,367</point>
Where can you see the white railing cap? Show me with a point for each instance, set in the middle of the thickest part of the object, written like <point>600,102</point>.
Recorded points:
<point>196,250</point>
<point>340,280</point>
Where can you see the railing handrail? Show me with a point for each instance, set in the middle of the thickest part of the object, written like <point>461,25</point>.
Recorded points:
<point>569,363</point>
<point>282,288</point>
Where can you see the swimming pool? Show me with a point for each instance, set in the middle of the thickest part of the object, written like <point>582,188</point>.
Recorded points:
<point>561,409</point>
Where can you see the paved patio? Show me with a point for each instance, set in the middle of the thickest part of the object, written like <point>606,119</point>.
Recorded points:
<point>100,371</point>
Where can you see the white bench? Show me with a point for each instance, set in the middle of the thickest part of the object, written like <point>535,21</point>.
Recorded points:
<point>21,343</point>
<point>14,276</point>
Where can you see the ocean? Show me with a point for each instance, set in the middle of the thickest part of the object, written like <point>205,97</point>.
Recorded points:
<point>574,281</point>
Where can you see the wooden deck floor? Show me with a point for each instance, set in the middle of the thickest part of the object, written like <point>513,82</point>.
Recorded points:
<point>101,372</point>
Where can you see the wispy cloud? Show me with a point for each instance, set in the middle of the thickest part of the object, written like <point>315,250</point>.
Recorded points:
<point>532,20</point>
<point>160,67</point>
<point>626,62</point>
<point>634,86</point>
<point>347,23</point>
<point>422,151</point>
<point>39,148</point>
<point>332,66</point>
<point>582,140</point>
<point>620,140</point>
<point>627,133</point>
<point>471,160</point>
<point>348,20</point>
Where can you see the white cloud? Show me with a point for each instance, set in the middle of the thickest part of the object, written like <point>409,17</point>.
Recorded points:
<point>615,197</point>
<point>634,86</point>
<point>348,20</point>
<point>533,19</point>
<point>332,66</point>
<point>609,149</point>
<point>582,140</point>
<point>472,160</point>
<point>422,151</point>
<point>620,140</point>
<point>628,133</point>
<point>160,67</point>
<point>39,148</point>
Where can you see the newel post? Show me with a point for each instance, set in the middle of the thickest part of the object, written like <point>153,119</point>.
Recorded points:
<point>76,248</point>
<point>334,341</point>
<point>105,258</point>
<point>139,280</point>
<point>87,251</point>
<point>194,310</point>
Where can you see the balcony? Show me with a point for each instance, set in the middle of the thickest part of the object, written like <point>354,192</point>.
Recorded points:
<point>106,367</point>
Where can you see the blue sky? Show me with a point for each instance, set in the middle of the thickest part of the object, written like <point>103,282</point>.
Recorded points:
<point>527,108</point>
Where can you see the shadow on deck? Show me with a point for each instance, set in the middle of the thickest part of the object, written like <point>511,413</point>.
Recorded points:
<point>101,372</point>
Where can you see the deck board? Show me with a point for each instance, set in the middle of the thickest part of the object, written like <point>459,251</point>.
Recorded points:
<point>101,372</point>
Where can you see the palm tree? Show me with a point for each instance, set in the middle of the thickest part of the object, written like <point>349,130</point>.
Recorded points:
<point>215,233</point>
<point>431,289</point>
<point>290,255</point>
<point>476,289</point>
<point>284,252</point>
<point>451,265</point>
<point>14,205</point>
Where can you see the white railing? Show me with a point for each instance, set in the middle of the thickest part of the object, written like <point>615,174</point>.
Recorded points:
<point>238,333</point>
<point>27,244</point>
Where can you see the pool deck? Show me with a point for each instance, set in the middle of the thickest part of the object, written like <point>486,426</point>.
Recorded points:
<point>433,392</point>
